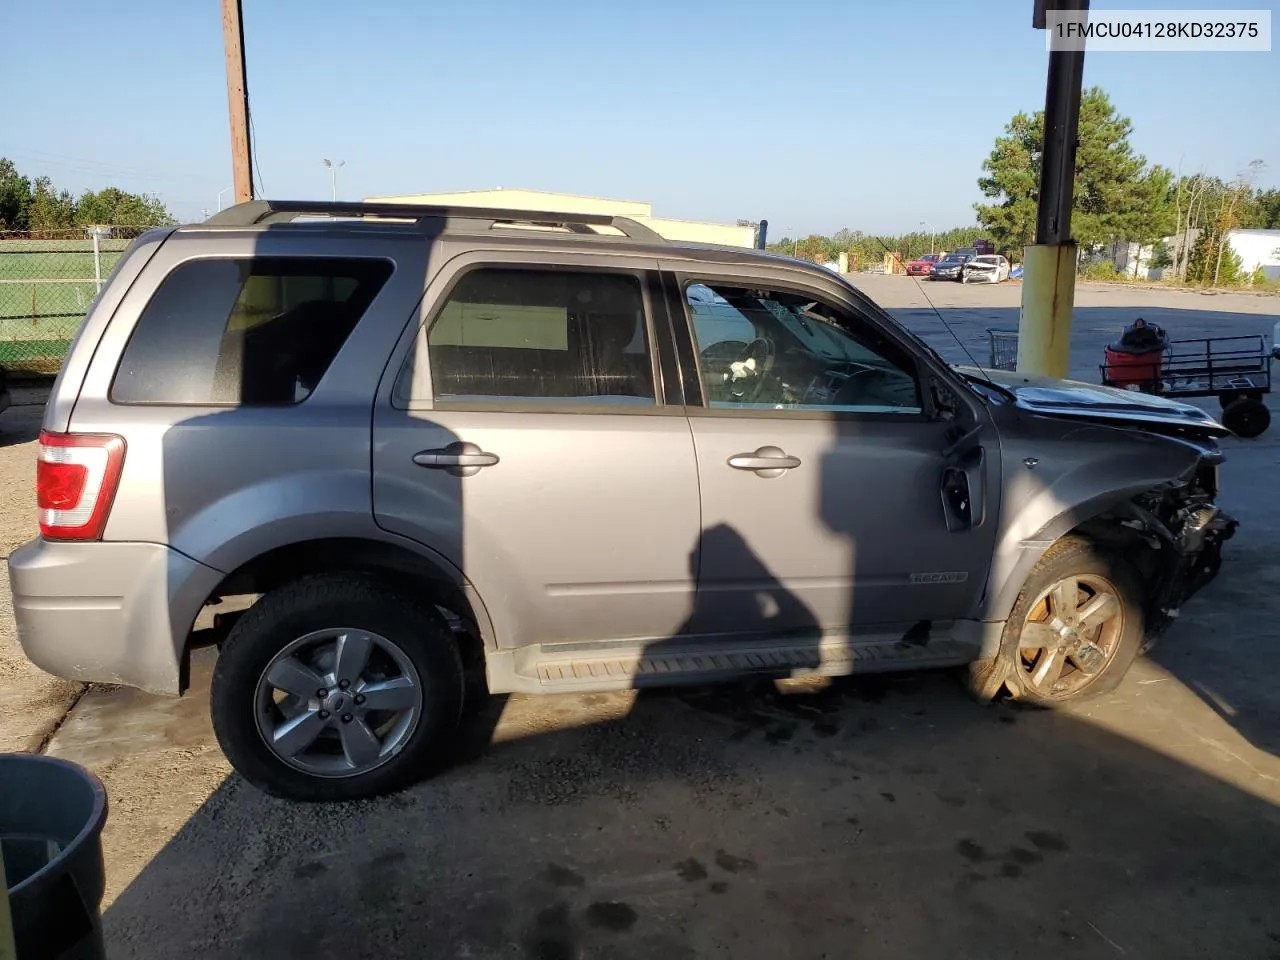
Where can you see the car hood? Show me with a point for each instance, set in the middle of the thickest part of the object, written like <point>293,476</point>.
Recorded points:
<point>1090,401</point>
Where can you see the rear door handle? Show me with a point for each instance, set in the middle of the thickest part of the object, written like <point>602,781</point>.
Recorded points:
<point>767,462</point>
<point>460,459</point>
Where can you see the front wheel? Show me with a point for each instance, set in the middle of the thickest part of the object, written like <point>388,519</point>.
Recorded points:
<point>1075,630</point>
<point>336,687</point>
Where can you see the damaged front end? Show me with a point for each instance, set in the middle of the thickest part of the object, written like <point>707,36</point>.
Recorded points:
<point>1173,535</point>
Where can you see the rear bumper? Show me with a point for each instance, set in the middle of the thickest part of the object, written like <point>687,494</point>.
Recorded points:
<point>108,612</point>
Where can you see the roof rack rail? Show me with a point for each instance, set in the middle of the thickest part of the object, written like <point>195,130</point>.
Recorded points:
<point>253,212</point>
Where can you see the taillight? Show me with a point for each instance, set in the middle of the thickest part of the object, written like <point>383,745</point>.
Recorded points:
<point>76,479</point>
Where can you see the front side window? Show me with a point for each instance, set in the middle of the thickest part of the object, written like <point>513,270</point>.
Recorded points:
<point>775,350</point>
<point>246,331</point>
<point>542,335</point>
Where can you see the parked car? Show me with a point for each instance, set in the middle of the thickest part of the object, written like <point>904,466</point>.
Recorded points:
<point>986,269</point>
<point>421,443</point>
<point>922,265</point>
<point>951,267</point>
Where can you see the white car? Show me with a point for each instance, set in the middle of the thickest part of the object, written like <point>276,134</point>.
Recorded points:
<point>989,268</point>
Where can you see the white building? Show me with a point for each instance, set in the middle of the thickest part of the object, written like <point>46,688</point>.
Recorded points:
<point>1135,259</point>
<point>1257,248</point>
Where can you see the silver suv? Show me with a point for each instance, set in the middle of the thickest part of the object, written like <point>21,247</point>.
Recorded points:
<point>407,440</point>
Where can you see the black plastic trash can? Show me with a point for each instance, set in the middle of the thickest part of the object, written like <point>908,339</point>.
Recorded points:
<point>51,818</point>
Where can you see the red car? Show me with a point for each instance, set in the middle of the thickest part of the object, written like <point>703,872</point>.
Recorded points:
<point>923,266</point>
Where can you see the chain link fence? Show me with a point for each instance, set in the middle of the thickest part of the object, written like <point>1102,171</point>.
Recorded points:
<point>48,279</point>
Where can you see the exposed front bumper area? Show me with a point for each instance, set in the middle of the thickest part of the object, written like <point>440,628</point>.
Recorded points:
<point>1192,559</point>
<point>108,612</point>
<point>1200,540</point>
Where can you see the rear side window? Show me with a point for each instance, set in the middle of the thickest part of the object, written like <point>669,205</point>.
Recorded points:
<point>256,330</point>
<point>542,335</point>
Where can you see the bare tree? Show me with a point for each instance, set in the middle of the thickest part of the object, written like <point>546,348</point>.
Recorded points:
<point>1240,189</point>
<point>1191,192</point>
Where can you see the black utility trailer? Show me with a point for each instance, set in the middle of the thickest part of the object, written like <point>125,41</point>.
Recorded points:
<point>1236,370</point>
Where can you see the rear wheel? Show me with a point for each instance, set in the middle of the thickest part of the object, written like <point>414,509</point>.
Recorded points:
<point>1075,630</point>
<point>1227,397</point>
<point>336,687</point>
<point>1246,417</point>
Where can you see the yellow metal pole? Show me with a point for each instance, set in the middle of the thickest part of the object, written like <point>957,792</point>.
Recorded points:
<point>1048,296</point>
<point>1049,268</point>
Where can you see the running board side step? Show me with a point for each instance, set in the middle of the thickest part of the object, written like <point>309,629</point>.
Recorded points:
<point>622,665</point>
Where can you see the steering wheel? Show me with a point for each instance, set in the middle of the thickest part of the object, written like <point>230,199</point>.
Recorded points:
<point>763,352</point>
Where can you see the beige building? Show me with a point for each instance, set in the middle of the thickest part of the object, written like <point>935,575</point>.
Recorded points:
<point>542,200</point>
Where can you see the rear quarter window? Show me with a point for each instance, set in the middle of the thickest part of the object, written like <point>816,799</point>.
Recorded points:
<point>251,330</point>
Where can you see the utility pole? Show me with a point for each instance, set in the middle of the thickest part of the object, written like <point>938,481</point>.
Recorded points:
<point>1049,265</point>
<point>237,99</point>
<point>333,166</point>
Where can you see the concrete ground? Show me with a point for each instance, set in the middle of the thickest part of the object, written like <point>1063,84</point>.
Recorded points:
<point>882,817</point>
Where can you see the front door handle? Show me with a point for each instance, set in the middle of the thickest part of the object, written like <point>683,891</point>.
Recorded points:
<point>767,462</point>
<point>458,458</point>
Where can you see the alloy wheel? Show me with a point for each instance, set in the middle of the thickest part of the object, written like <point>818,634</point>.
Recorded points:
<point>1071,634</point>
<point>338,702</point>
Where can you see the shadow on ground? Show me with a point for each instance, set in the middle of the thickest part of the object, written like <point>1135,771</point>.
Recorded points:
<point>21,422</point>
<point>1229,655</point>
<point>879,817</point>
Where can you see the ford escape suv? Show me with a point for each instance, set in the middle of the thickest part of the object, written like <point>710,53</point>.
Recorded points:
<point>408,441</point>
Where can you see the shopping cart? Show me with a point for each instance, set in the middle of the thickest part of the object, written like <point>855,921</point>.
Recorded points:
<point>1004,348</point>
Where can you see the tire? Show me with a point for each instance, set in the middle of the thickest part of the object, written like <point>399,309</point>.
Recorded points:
<point>1115,642</point>
<point>1246,417</point>
<point>407,634</point>
<point>1227,397</point>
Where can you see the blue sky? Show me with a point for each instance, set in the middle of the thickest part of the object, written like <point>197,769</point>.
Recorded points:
<point>813,115</point>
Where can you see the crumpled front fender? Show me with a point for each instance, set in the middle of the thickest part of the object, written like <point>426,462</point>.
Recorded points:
<point>1057,475</point>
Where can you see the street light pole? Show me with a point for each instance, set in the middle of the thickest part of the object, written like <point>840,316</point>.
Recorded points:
<point>333,166</point>
<point>220,193</point>
<point>926,224</point>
